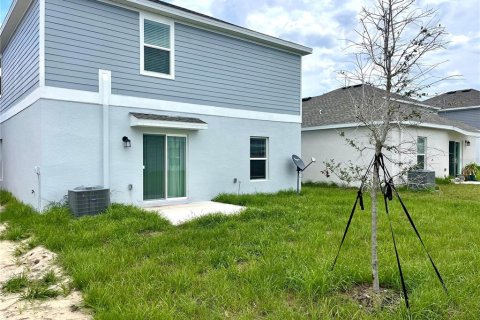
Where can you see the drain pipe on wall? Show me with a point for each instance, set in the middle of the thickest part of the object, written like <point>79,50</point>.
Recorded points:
<point>105,89</point>
<point>36,169</point>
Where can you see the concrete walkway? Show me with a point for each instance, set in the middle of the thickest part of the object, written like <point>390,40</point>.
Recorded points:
<point>181,213</point>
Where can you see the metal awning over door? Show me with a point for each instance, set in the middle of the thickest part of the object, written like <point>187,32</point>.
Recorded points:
<point>163,121</point>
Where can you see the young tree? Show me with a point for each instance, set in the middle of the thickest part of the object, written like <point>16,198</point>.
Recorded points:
<point>394,39</point>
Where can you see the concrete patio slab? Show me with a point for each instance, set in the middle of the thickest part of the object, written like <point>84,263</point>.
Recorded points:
<point>181,213</point>
<point>467,182</point>
<point>470,182</point>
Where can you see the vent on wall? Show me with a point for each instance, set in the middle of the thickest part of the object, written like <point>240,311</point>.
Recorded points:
<point>88,200</point>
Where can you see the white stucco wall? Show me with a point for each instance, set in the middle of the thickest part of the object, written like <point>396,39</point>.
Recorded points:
<point>477,157</point>
<point>327,144</point>
<point>437,148</point>
<point>21,153</point>
<point>216,156</point>
<point>65,140</point>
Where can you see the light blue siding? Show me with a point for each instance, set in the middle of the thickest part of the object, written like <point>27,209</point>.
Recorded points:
<point>20,61</point>
<point>470,117</point>
<point>83,36</point>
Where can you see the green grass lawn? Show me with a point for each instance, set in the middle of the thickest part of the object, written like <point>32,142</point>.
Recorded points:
<point>272,261</point>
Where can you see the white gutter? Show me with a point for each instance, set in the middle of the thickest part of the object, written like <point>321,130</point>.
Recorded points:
<point>459,108</point>
<point>409,123</point>
<point>446,127</point>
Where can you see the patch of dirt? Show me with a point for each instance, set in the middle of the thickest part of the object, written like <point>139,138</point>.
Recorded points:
<point>365,297</point>
<point>35,263</point>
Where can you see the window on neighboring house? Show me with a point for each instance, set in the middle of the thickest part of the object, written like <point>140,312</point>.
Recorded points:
<point>258,158</point>
<point>421,152</point>
<point>157,47</point>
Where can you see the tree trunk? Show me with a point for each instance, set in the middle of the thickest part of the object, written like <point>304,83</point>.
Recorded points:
<point>375,186</point>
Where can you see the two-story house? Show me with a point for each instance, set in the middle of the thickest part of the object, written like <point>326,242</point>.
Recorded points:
<point>158,103</point>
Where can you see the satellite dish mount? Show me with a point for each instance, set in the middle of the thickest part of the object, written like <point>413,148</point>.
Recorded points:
<point>300,168</point>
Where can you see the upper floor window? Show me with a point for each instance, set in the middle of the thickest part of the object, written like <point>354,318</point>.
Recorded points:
<point>421,152</point>
<point>157,47</point>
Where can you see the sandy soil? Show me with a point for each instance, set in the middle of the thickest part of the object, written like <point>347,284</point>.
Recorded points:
<point>35,263</point>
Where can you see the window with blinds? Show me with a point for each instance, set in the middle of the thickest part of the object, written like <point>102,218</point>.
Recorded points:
<point>157,48</point>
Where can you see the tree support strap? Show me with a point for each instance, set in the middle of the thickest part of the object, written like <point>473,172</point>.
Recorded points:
<point>389,187</point>
<point>359,198</point>
<point>388,190</point>
<point>402,279</point>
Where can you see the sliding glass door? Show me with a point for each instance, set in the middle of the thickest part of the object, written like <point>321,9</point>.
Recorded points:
<point>453,158</point>
<point>164,161</point>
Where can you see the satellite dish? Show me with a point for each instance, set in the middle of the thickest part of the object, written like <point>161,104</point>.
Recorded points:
<point>298,162</point>
<point>300,168</point>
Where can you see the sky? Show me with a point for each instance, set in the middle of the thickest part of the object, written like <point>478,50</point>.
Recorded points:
<point>325,24</point>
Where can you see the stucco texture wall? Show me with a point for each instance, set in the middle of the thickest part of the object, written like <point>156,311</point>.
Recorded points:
<point>67,144</point>
<point>216,156</point>
<point>21,153</point>
<point>327,144</point>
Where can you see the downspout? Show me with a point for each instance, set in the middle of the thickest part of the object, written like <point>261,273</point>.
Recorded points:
<point>105,88</point>
<point>36,169</point>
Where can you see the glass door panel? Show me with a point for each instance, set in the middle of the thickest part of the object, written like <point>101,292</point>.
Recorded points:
<point>153,167</point>
<point>176,166</point>
<point>453,158</point>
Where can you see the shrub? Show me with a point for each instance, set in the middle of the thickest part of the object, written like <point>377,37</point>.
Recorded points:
<point>444,181</point>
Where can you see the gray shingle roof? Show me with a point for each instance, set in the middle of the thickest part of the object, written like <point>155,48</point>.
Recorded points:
<point>338,107</point>
<point>456,99</point>
<point>150,116</point>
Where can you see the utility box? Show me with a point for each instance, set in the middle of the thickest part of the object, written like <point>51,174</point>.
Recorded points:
<point>421,179</point>
<point>88,200</point>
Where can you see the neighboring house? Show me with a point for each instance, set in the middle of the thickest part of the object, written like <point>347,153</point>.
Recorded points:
<point>461,105</point>
<point>158,103</point>
<point>425,142</point>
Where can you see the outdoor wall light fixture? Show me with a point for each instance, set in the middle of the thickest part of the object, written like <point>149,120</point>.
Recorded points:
<point>467,143</point>
<point>126,142</point>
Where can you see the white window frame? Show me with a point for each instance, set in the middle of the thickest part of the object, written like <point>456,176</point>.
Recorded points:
<point>265,158</point>
<point>424,154</point>
<point>145,16</point>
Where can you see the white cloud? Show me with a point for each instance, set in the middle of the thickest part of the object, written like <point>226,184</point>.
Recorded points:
<point>459,39</point>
